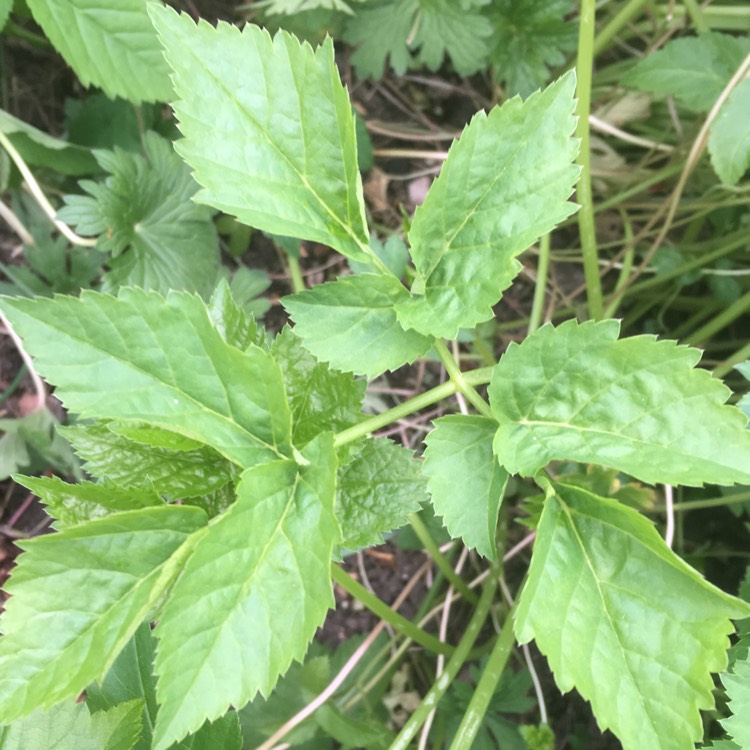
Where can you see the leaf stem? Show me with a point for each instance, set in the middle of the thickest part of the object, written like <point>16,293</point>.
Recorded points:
<point>541,284</point>
<point>456,376</point>
<point>295,274</point>
<point>728,364</point>
<point>382,610</point>
<point>586,224</point>
<point>455,663</point>
<point>424,536</point>
<point>696,16</point>
<point>626,14</point>
<point>728,316</point>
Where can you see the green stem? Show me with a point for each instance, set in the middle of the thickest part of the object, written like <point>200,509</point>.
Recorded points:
<point>455,663</point>
<point>422,401</point>
<point>728,365</point>
<point>734,311</point>
<point>11,389</point>
<point>442,563</point>
<point>627,264</point>
<point>295,274</point>
<point>696,16</point>
<point>480,700</point>
<point>382,610</point>
<point>624,16</point>
<point>456,376</point>
<point>586,224</point>
<point>713,502</point>
<point>541,284</point>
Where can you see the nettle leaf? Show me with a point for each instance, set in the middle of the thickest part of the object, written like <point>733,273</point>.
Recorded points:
<point>320,399</point>
<point>141,357</point>
<point>110,46</point>
<point>264,562</point>
<point>694,70</point>
<point>70,726</point>
<point>378,489</point>
<point>529,37</point>
<point>72,504</point>
<point>465,480</point>
<point>78,595</point>
<point>351,324</point>
<point>269,130</point>
<point>729,140</point>
<point>637,405</point>
<point>624,620</point>
<point>737,684</point>
<point>143,214</point>
<point>506,182</point>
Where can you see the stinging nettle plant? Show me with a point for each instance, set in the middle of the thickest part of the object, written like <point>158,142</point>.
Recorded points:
<point>263,442</point>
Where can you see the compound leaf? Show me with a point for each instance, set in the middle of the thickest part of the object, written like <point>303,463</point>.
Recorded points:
<point>729,140</point>
<point>141,357</point>
<point>251,595</point>
<point>269,130</point>
<point>506,181</point>
<point>465,480</point>
<point>78,595</point>
<point>112,46</point>
<point>378,489</point>
<point>624,620</point>
<point>351,324</point>
<point>636,405</point>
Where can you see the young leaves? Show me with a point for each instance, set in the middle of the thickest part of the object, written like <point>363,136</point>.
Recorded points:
<point>637,405</point>
<point>465,480</point>
<point>252,594</point>
<point>623,620</point>
<point>269,130</point>
<point>143,358</point>
<point>506,181</point>
<point>78,596</point>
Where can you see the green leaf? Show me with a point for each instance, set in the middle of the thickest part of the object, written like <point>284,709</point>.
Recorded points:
<point>70,727</point>
<point>72,504</point>
<point>76,598</point>
<point>132,465</point>
<point>110,46</point>
<point>623,620</point>
<point>637,405</point>
<point>5,8</point>
<point>235,327</point>
<point>290,7</point>
<point>392,252</point>
<point>143,213</point>
<point>729,140</point>
<point>506,182</point>
<point>279,148</point>
<point>737,684</point>
<point>351,324</point>
<point>320,399</point>
<point>528,38</point>
<point>143,358</point>
<point>378,490</point>
<point>223,733</point>
<point>251,595</point>
<point>465,480</point>
<point>694,70</point>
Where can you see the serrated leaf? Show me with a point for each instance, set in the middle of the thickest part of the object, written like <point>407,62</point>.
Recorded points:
<point>143,214</point>
<point>623,620</point>
<point>465,480</point>
<point>69,726</point>
<point>320,399</point>
<point>506,182</point>
<point>351,324</point>
<point>144,358</point>
<point>230,320</point>
<point>77,597</point>
<point>264,561</point>
<point>729,140</point>
<point>223,733</point>
<point>637,405</point>
<point>694,70</point>
<point>110,46</point>
<point>72,504</point>
<point>132,465</point>
<point>737,685</point>
<point>378,489</point>
<point>269,130</point>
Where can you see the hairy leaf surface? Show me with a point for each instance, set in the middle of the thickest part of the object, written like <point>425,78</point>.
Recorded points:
<point>351,324</point>
<point>465,480</point>
<point>78,595</point>
<point>378,489</point>
<point>144,358</point>
<point>637,405</point>
<point>623,620</point>
<point>269,130</point>
<point>110,45</point>
<point>506,182</point>
<point>251,595</point>
<point>729,140</point>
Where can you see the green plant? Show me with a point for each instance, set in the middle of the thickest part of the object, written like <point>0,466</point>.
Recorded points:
<point>232,468</point>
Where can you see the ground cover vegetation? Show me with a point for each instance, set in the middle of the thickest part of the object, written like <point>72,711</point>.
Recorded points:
<point>485,308</point>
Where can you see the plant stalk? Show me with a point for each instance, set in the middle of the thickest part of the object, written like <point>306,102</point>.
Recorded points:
<point>456,376</point>
<point>540,289</point>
